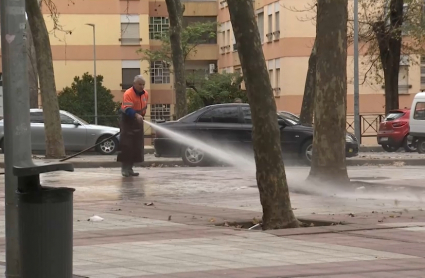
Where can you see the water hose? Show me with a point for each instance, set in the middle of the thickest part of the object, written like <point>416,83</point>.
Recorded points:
<point>83,151</point>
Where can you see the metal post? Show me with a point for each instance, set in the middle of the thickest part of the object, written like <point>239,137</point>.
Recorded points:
<point>357,131</point>
<point>17,139</point>
<point>94,71</point>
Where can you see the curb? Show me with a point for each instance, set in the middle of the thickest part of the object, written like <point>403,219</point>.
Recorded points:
<point>386,161</point>
<point>179,163</point>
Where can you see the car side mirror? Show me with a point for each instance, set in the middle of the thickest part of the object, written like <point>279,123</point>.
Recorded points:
<point>76,123</point>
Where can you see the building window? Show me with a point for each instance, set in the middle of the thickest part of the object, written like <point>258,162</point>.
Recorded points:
<point>403,79</point>
<point>276,32</point>
<point>270,26</point>
<point>130,30</point>
<point>403,75</point>
<point>160,72</point>
<point>161,112</point>
<point>158,27</point>
<point>260,24</point>
<point>130,34</point>
<point>128,75</point>
<point>277,83</point>
<point>271,76</point>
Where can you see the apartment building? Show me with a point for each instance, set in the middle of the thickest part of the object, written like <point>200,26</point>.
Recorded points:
<point>122,28</point>
<point>288,37</point>
<point>125,26</point>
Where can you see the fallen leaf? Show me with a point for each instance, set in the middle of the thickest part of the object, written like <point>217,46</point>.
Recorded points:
<point>169,218</point>
<point>212,220</point>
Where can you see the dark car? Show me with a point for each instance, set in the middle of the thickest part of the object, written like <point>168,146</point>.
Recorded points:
<point>229,126</point>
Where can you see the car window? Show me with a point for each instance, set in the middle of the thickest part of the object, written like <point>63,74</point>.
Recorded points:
<point>419,111</point>
<point>221,115</point>
<point>36,117</point>
<point>393,116</point>
<point>246,112</point>
<point>294,120</point>
<point>66,120</point>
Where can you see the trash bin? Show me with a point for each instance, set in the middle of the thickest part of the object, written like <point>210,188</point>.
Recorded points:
<point>46,231</point>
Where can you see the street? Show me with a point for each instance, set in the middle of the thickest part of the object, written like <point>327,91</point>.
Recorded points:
<point>163,224</point>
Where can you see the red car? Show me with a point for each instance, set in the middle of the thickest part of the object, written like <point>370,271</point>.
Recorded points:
<point>393,132</point>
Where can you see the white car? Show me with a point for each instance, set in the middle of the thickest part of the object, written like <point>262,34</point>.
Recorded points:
<point>77,133</point>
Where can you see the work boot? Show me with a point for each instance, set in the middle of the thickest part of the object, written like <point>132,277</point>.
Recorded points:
<point>132,173</point>
<point>125,171</point>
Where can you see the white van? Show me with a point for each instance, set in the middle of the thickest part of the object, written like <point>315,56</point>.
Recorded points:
<point>417,121</point>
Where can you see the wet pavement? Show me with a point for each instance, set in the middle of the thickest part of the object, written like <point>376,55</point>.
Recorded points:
<point>163,224</point>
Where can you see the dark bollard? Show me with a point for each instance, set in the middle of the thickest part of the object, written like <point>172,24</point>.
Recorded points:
<point>45,224</point>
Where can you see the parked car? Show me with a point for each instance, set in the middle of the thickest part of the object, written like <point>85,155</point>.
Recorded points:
<point>394,132</point>
<point>77,134</point>
<point>230,125</point>
<point>417,121</point>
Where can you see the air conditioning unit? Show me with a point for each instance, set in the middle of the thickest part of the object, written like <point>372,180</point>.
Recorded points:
<point>212,68</point>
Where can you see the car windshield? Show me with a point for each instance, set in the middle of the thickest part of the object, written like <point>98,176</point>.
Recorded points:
<point>290,118</point>
<point>394,116</point>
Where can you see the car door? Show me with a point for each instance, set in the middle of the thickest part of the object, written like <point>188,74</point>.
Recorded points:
<point>221,126</point>
<point>289,135</point>
<point>74,135</point>
<point>38,137</point>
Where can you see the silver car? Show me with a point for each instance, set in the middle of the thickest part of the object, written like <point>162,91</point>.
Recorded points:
<point>77,134</point>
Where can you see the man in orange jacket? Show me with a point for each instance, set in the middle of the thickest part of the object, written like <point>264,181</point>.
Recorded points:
<point>133,109</point>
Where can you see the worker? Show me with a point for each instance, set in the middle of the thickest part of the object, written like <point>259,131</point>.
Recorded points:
<point>132,111</point>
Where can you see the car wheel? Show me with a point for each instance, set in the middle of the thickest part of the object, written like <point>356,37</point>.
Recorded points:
<point>389,148</point>
<point>108,147</point>
<point>409,144</point>
<point>193,156</point>
<point>307,152</point>
<point>421,145</point>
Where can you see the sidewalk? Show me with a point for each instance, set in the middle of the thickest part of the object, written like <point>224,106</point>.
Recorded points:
<point>363,159</point>
<point>176,236</point>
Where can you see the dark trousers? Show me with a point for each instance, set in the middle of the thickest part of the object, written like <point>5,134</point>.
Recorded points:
<point>131,142</point>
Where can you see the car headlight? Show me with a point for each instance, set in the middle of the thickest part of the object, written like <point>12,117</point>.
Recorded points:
<point>349,139</point>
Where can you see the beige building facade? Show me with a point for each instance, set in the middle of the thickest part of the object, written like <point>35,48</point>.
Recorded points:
<point>288,37</point>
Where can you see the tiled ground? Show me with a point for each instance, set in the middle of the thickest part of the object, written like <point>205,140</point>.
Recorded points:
<point>176,237</point>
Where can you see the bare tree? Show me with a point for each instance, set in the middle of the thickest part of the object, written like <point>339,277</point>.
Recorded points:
<point>53,130</point>
<point>330,106</point>
<point>175,13</point>
<point>271,177</point>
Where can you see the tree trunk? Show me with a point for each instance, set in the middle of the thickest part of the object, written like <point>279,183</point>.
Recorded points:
<point>32,70</point>
<point>271,177</point>
<point>49,98</point>
<point>306,116</point>
<point>175,14</point>
<point>389,42</point>
<point>330,106</point>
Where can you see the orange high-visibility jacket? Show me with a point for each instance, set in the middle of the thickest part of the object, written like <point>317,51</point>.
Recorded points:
<point>138,103</point>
